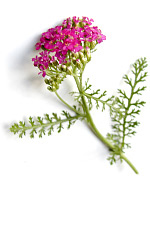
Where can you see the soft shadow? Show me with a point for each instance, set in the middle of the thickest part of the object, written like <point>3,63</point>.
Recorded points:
<point>24,76</point>
<point>21,64</point>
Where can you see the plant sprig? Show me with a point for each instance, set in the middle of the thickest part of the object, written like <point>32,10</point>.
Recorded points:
<point>130,106</point>
<point>41,125</point>
<point>65,50</point>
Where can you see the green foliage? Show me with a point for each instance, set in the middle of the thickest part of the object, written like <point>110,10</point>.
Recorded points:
<point>129,105</point>
<point>41,125</point>
<point>93,97</point>
<point>123,108</point>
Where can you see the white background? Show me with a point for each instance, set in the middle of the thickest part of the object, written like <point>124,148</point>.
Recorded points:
<point>59,193</point>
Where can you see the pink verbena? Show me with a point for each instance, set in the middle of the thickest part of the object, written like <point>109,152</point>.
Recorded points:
<point>72,36</point>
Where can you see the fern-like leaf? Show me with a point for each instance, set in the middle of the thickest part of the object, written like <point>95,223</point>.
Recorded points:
<point>129,106</point>
<point>41,125</point>
<point>92,97</point>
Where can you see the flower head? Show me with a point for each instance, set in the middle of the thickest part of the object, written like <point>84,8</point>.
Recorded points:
<point>68,44</point>
<point>71,37</point>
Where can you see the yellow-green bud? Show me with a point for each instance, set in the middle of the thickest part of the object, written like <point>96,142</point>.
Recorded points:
<point>87,44</point>
<point>81,55</point>
<point>63,67</point>
<point>55,63</point>
<point>82,58</point>
<point>47,81</point>
<point>92,45</point>
<point>88,54</point>
<point>69,70</point>
<point>50,88</point>
<point>74,60</point>
<point>76,55</point>
<point>78,63</point>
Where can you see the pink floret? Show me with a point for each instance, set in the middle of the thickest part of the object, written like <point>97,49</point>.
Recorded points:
<point>68,37</point>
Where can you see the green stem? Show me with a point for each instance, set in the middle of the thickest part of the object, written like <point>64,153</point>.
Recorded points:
<point>70,107</point>
<point>128,162</point>
<point>93,126</point>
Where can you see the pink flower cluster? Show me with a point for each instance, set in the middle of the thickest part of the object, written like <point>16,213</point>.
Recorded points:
<point>71,36</point>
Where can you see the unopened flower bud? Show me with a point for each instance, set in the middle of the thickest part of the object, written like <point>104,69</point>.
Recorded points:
<point>82,58</point>
<point>78,63</point>
<point>68,63</point>
<point>57,86</point>
<point>47,81</point>
<point>87,50</point>
<point>82,50</point>
<point>88,57</point>
<point>88,53</point>
<point>55,63</point>
<point>49,88</point>
<point>53,86</point>
<point>83,61</point>
<point>81,55</point>
<point>74,60</point>
<point>87,44</point>
<point>63,68</point>
<point>76,55</point>
<point>69,70</point>
<point>92,45</point>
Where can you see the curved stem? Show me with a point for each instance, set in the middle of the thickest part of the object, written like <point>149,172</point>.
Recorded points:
<point>70,107</point>
<point>94,128</point>
<point>129,163</point>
